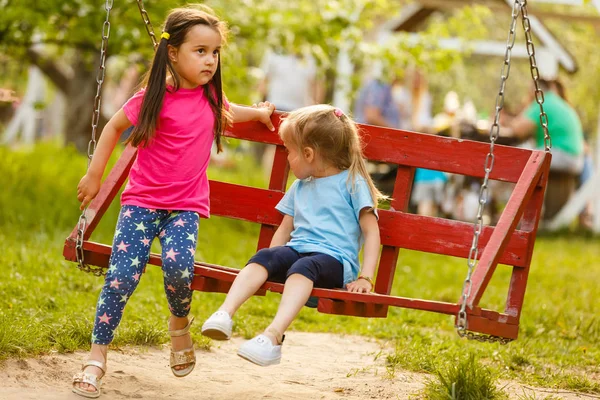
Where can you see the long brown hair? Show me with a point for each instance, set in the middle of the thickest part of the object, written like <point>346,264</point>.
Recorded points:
<point>334,136</point>
<point>178,23</point>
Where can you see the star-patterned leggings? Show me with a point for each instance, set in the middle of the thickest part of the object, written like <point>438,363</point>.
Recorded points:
<point>136,229</point>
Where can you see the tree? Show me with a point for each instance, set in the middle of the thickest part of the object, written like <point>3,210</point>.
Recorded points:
<point>70,33</point>
<point>63,38</point>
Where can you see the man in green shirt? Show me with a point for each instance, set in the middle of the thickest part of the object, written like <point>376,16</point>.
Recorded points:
<point>564,127</point>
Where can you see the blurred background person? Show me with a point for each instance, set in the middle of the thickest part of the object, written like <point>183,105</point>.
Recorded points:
<point>289,80</point>
<point>566,131</point>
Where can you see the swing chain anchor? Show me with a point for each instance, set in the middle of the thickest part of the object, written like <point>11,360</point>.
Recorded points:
<point>461,319</point>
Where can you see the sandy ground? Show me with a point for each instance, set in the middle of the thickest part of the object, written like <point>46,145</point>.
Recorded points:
<point>314,366</point>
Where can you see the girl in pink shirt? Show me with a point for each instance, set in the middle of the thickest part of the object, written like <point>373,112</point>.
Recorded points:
<point>176,117</point>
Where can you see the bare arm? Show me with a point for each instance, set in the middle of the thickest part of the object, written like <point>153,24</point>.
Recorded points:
<point>370,230</point>
<point>519,126</point>
<point>373,116</point>
<point>282,235</point>
<point>90,184</point>
<point>261,114</point>
<point>522,126</point>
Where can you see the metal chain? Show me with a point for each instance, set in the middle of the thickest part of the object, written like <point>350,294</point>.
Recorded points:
<point>147,23</point>
<point>82,223</point>
<point>479,337</point>
<point>535,74</point>
<point>461,320</point>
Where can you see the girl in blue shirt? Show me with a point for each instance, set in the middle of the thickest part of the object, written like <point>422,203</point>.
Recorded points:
<point>329,212</point>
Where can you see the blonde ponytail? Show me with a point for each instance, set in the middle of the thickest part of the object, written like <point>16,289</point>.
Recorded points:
<point>358,167</point>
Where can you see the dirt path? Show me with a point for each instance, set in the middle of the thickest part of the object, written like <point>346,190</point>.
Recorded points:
<point>314,366</point>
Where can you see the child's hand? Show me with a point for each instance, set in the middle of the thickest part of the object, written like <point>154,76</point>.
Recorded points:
<point>360,286</point>
<point>265,109</point>
<point>87,189</point>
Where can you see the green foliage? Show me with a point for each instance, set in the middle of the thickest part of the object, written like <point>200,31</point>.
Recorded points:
<point>464,379</point>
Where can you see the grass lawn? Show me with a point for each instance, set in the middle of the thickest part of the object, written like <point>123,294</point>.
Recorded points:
<point>47,304</point>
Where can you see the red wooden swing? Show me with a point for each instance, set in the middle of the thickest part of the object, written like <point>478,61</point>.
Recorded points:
<point>502,244</point>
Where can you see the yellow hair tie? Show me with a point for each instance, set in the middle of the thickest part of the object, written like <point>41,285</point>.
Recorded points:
<point>165,35</point>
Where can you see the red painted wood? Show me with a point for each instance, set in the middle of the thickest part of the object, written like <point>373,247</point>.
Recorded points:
<point>354,309</point>
<point>204,284</point>
<point>442,236</point>
<point>245,203</point>
<point>389,254</point>
<point>506,225</point>
<point>374,298</point>
<point>409,231</point>
<point>279,176</point>
<point>215,278</point>
<point>413,149</point>
<point>531,217</point>
<point>496,328</point>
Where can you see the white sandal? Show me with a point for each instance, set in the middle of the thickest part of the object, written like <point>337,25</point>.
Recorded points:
<point>182,357</point>
<point>90,379</point>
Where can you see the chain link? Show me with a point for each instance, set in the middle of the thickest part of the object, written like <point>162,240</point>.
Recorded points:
<point>484,338</point>
<point>82,223</point>
<point>461,320</point>
<point>535,75</point>
<point>147,22</point>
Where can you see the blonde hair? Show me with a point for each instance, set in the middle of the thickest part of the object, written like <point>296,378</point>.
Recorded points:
<point>334,136</point>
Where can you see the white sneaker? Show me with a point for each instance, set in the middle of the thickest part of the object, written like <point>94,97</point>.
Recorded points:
<point>218,326</point>
<point>261,351</point>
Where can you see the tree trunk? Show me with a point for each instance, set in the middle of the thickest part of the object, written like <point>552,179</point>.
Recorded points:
<point>80,95</point>
<point>80,91</point>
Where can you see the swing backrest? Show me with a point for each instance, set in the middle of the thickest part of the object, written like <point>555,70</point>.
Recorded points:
<point>399,229</point>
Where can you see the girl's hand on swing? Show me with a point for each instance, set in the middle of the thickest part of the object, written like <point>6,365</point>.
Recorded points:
<point>87,189</point>
<point>265,110</point>
<point>360,286</point>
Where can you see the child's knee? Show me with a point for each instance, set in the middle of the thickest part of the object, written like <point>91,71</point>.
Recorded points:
<point>121,285</point>
<point>177,274</point>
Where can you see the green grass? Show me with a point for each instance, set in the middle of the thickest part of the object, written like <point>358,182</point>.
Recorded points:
<point>463,379</point>
<point>47,304</point>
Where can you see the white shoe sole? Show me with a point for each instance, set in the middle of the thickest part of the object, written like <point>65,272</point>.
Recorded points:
<point>215,331</point>
<point>257,360</point>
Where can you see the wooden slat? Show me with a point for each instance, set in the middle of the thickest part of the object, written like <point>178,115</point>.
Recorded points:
<point>99,254</point>
<point>279,176</point>
<point>245,203</point>
<point>489,327</point>
<point>506,225</point>
<point>529,223</point>
<point>459,156</point>
<point>443,236</point>
<point>398,229</point>
<point>389,254</point>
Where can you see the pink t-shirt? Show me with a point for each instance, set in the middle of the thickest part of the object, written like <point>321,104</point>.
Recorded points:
<point>170,173</point>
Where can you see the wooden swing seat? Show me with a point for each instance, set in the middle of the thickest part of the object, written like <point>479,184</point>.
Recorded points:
<point>502,244</point>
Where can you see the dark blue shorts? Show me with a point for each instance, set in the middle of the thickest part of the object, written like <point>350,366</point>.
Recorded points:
<point>282,261</point>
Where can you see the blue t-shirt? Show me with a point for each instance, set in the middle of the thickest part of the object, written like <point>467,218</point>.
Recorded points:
<point>429,176</point>
<point>326,213</point>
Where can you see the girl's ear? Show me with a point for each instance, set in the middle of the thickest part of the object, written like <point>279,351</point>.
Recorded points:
<point>309,154</point>
<point>172,52</point>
